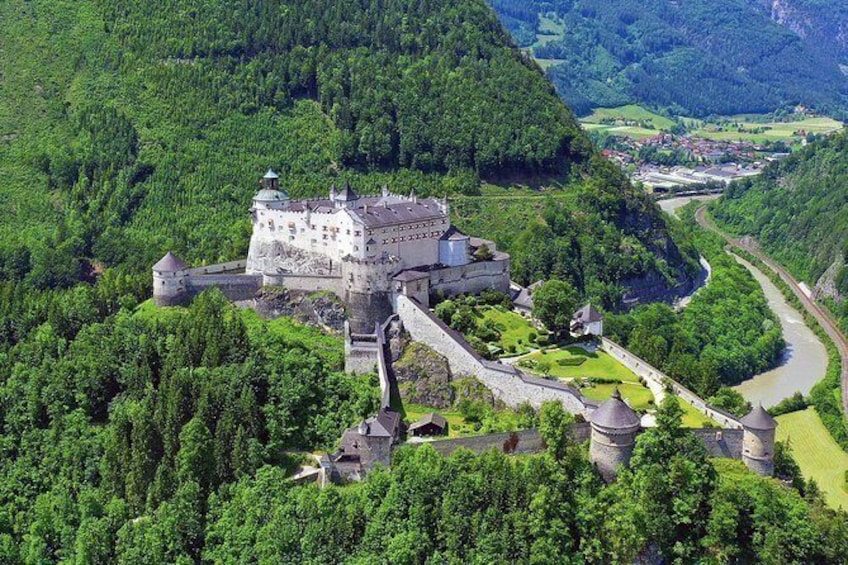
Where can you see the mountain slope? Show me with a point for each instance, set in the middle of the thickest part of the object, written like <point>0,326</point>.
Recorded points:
<point>694,58</point>
<point>798,211</point>
<point>129,128</point>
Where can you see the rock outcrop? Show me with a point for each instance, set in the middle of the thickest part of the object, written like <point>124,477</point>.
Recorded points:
<point>320,309</point>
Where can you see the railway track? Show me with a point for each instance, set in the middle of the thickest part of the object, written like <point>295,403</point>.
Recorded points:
<point>829,324</point>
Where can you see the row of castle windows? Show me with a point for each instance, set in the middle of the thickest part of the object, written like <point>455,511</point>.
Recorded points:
<point>411,237</point>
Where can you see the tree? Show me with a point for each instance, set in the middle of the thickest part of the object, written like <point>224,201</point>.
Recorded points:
<point>554,303</point>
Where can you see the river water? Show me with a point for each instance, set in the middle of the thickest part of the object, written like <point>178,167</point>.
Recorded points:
<point>805,360</point>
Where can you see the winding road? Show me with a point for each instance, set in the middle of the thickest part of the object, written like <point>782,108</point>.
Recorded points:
<point>823,317</point>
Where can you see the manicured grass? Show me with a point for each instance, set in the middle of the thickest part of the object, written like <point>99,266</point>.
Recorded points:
<point>513,327</point>
<point>597,364</point>
<point>692,418</point>
<point>819,457</point>
<point>636,395</point>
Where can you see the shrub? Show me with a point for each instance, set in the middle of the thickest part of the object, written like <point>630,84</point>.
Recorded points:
<point>572,362</point>
<point>543,340</point>
<point>531,336</point>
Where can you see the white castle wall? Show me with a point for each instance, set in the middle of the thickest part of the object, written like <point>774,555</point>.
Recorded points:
<point>506,383</point>
<point>307,283</point>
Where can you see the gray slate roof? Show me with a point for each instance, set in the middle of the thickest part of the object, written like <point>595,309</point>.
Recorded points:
<point>401,213</point>
<point>453,234</point>
<point>758,419</point>
<point>169,263</point>
<point>432,418</point>
<point>347,193</point>
<point>271,174</point>
<point>615,414</point>
<point>587,315</point>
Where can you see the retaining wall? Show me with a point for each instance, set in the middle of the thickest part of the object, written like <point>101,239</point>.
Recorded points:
<point>507,383</point>
<point>657,379</point>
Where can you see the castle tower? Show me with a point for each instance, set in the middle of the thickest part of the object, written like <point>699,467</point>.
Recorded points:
<point>169,280</point>
<point>758,441</point>
<point>346,198</point>
<point>614,429</point>
<point>270,197</point>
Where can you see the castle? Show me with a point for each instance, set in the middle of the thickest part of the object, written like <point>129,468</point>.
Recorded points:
<point>365,249</point>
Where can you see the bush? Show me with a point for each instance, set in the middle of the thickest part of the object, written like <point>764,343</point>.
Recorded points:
<point>531,336</point>
<point>573,362</point>
<point>794,403</point>
<point>543,341</point>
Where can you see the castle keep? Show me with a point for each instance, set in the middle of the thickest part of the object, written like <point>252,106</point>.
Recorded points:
<point>365,249</point>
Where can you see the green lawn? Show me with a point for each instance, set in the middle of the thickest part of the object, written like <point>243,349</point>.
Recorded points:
<point>513,327</point>
<point>457,426</point>
<point>819,457</point>
<point>692,418</point>
<point>636,395</point>
<point>597,364</point>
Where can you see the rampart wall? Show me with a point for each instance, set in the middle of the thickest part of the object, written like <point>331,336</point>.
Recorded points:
<point>234,287</point>
<point>472,278</point>
<point>656,379</point>
<point>507,383</point>
<point>230,267</point>
<point>308,283</point>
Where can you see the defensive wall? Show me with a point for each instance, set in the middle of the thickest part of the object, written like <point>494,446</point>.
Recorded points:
<point>474,277</point>
<point>656,381</point>
<point>516,443</point>
<point>308,283</point>
<point>507,383</point>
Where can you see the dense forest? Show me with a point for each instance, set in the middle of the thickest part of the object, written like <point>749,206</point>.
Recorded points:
<point>798,211</point>
<point>726,334</point>
<point>691,58</point>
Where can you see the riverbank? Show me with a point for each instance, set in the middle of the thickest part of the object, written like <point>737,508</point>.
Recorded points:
<point>804,361</point>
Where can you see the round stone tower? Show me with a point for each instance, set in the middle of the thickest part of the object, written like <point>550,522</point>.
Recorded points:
<point>270,197</point>
<point>758,441</point>
<point>169,281</point>
<point>614,429</point>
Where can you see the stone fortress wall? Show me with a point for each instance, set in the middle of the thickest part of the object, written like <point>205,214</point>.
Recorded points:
<point>656,379</point>
<point>507,383</point>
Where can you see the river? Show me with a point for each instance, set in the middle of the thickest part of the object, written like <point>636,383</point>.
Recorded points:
<point>805,360</point>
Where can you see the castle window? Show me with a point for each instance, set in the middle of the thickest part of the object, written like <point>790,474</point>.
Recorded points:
<point>347,231</point>
<point>312,226</point>
<point>385,241</point>
<point>356,248</point>
<point>324,228</point>
<point>312,240</point>
<point>357,233</point>
<point>291,238</point>
<point>324,236</point>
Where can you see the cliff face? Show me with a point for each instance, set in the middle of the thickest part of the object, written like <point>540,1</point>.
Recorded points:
<point>826,25</point>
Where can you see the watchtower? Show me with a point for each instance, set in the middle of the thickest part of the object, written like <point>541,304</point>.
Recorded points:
<point>169,280</point>
<point>614,429</point>
<point>758,441</point>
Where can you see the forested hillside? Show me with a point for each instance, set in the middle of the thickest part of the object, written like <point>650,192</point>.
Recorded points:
<point>692,58</point>
<point>798,212</point>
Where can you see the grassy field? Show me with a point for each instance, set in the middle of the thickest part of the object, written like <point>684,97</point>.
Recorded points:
<point>636,395</point>
<point>725,128</point>
<point>631,112</point>
<point>773,131</point>
<point>457,426</point>
<point>513,327</point>
<point>819,457</point>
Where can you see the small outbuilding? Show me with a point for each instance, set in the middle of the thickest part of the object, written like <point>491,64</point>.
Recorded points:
<point>432,424</point>
<point>587,321</point>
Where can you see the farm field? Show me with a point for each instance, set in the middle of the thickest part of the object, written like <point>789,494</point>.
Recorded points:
<point>727,128</point>
<point>818,456</point>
